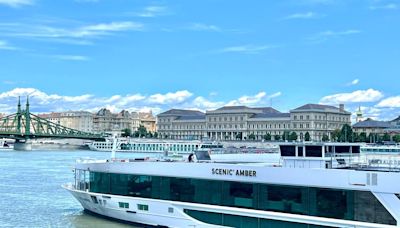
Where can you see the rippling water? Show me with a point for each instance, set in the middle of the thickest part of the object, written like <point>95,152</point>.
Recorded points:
<point>31,193</point>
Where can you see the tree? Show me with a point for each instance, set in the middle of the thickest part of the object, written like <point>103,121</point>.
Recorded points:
<point>286,135</point>
<point>126,132</point>
<point>362,137</point>
<point>142,131</point>
<point>252,136</point>
<point>155,135</point>
<point>239,136</point>
<point>307,136</point>
<point>386,137</point>
<point>346,133</point>
<point>293,136</point>
<point>325,138</point>
<point>335,135</point>
<point>396,138</point>
<point>277,137</point>
<point>267,137</point>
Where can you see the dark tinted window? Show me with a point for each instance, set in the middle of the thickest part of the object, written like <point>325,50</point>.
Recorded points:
<point>288,150</point>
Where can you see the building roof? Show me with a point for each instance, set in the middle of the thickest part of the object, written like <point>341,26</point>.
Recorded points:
<point>395,120</point>
<point>271,115</point>
<point>370,123</point>
<point>246,109</point>
<point>319,107</point>
<point>203,117</point>
<point>181,112</point>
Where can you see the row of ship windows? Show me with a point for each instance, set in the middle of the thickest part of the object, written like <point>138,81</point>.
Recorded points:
<point>321,202</point>
<point>243,221</point>
<point>152,147</point>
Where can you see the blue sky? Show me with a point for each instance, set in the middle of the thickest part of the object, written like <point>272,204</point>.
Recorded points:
<point>200,54</point>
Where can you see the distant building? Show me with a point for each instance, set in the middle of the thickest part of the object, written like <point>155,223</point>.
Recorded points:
<point>79,120</point>
<point>105,121</point>
<point>181,124</point>
<point>318,120</point>
<point>147,120</point>
<point>369,126</point>
<point>241,122</point>
<point>396,122</point>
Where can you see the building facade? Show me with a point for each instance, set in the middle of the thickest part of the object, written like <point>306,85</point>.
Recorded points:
<point>147,120</point>
<point>369,126</point>
<point>241,122</point>
<point>79,120</point>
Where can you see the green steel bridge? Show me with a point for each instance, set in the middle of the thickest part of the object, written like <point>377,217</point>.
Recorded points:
<point>23,126</point>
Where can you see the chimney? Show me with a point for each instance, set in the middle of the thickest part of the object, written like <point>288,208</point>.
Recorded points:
<point>341,107</point>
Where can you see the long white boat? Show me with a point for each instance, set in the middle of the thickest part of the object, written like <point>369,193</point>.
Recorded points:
<point>314,185</point>
<point>149,146</point>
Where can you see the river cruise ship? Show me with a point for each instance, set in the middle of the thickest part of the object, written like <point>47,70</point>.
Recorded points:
<point>313,186</point>
<point>155,146</point>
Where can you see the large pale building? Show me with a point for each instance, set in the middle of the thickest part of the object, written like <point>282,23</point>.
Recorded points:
<point>147,120</point>
<point>106,121</point>
<point>79,120</point>
<point>318,120</point>
<point>241,122</point>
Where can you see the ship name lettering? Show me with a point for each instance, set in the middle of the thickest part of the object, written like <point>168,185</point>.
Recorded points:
<point>231,172</point>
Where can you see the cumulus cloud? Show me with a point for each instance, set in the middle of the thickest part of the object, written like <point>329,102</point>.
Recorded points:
<point>390,102</point>
<point>177,97</point>
<point>43,102</point>
<point>369,95</point>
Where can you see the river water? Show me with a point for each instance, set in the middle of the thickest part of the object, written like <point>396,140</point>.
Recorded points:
<point>31,193</point>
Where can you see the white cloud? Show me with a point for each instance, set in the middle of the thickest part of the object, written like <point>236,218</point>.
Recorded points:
<point>277,94</point>
<point>152,11</point>
<point>307,15</point>
<point>177,97</point>
<point>203,104</point>
<point>246,49</point>
<point>77,33</point>
<point>43,102</point>
<point>71,57</point>
<point>369,95</point>
<point>5,46</point>
<point>16,3</point>
<point>249,100</point>
<point>322,36</point>
<point>390,6</point>
<point>390,102</point>
<point>204,27</point>
<point>354,82</point>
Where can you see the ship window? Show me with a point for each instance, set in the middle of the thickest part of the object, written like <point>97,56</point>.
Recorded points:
<point>313,151</point>
<point>123,205</point>
<point>330,203</point>
<point>243,221</point>
<point>288,151</point>
<point>143,207</point>
<point>170,210</point>
<point>94,199</point>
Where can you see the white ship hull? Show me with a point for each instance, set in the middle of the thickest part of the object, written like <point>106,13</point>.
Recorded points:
<point>158,214</point>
